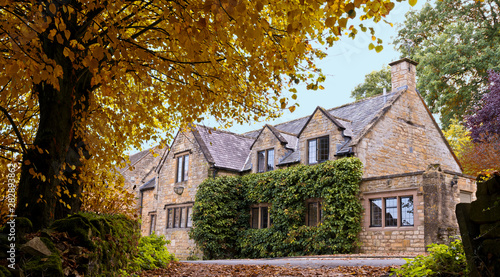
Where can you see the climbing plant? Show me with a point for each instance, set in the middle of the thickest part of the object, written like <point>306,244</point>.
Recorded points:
<point>222,212</point>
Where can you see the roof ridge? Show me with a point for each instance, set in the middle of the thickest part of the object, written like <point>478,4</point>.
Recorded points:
<point>328,110</point>
<point>362,100</point>
<point>213,129</point>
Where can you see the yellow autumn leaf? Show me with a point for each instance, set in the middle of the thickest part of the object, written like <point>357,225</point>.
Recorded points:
<point>412,2</point>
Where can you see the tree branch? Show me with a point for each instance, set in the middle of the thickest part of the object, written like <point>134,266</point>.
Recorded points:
<point>18,134</point>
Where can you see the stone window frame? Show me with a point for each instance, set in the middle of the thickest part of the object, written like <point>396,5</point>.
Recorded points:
<point>184,210</point>
<point>367,196</point>
<point>317,149</point>
<point>182,173</point>
<point>260,207</point>
<point>153,218</point>
<point>266,160</point>
<point>319,211</point>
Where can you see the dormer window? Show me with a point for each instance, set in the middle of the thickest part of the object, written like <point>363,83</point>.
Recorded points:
<point>265,160</point>
<point>318,150</point>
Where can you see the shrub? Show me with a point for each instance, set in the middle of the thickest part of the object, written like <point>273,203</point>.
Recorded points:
<point>152,254</point>
<point>443,260</point>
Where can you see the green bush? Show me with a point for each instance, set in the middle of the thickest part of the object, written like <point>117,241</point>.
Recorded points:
<point>443,260</point>
<point>152,254</point>
<point>222,219</point>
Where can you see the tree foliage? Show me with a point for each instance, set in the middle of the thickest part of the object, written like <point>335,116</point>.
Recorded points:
<point>374,84</point>
<point>88,79</point>
<point>476,157</point>
<point>485,120</point>
<point>455,43</point>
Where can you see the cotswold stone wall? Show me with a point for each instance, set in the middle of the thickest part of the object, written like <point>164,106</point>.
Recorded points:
<point>267,140</point>
<point>320,125</point>
<point>404,140</point>
<point>435,193</point>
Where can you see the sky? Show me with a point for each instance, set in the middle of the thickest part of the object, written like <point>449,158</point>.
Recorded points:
<point>345,66</point>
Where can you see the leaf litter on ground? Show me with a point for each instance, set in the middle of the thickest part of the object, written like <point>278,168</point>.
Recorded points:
<point>179,269</point>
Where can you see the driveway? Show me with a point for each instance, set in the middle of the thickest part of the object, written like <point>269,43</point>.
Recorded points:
<point>313,261</point>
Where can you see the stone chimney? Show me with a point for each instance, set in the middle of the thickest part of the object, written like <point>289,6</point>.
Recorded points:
<point>403,73</point>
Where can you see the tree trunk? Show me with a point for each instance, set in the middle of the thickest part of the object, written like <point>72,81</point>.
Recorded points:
<point>37,198</point>
<point>56,143</point>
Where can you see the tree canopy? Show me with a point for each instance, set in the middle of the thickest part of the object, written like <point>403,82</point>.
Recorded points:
<point>484,123</point>
<point>456,43</point>
<point>374,84</point>
<point>84,80</point>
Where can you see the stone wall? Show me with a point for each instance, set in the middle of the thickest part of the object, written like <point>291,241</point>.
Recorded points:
<point>141,170</point>
<point>267,140</point>
<point>404,140</point>
<point>320,125</point>
<point>199,169</point>
<point>400,239</point>
<point>435,193</point>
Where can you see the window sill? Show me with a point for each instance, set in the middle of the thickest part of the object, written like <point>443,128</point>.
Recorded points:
<point>392,228</point>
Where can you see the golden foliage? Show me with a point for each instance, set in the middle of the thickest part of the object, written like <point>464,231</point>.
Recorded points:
<point>157,65</point>
<point>476,158</point>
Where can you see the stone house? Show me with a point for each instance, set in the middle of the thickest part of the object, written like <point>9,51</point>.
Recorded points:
<point>412,180</point>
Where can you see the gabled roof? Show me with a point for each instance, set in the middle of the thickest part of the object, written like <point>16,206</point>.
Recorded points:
<point>273,130</point>
<point>359,115</point>
<point>223,149</point>
<point>329,116</point>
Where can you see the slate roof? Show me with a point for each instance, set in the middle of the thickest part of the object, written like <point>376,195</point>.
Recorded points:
<point>232,151</point>
<point>225,149</point>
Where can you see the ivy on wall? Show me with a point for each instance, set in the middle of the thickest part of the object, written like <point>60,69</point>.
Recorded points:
<point>221,212</point>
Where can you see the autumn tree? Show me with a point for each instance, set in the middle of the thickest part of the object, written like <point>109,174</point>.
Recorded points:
<point>479,157</point>
<point>484,122</point>
<point>84,80</point>
<point>374,84</point>
<point>455,43</point>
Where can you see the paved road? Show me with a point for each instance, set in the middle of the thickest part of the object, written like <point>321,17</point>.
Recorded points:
<point>309,262</point>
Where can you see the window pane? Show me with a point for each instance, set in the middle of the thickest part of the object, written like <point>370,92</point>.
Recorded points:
<point>320,212</point>
<point>312,151</point>
<point>270,159</point>
<point>263,217</point>
<point>261,161</point>
<point>376,212</point>
<point>179,169</point>
<point>323,149</point>
<point>170,218</point>
<point>182,215</point>
<point>189,215</point>
<point>407,211</point>
<point>255,218</point>
<point>312,216</point>
<point>186,167</point>
<point>152,225</point>
<point>176,218</point>
<point>391,211</point>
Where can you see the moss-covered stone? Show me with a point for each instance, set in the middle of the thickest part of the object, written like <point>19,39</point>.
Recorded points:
<point>104,245</point>
<point>77,226</point>
<point>45,266</point>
